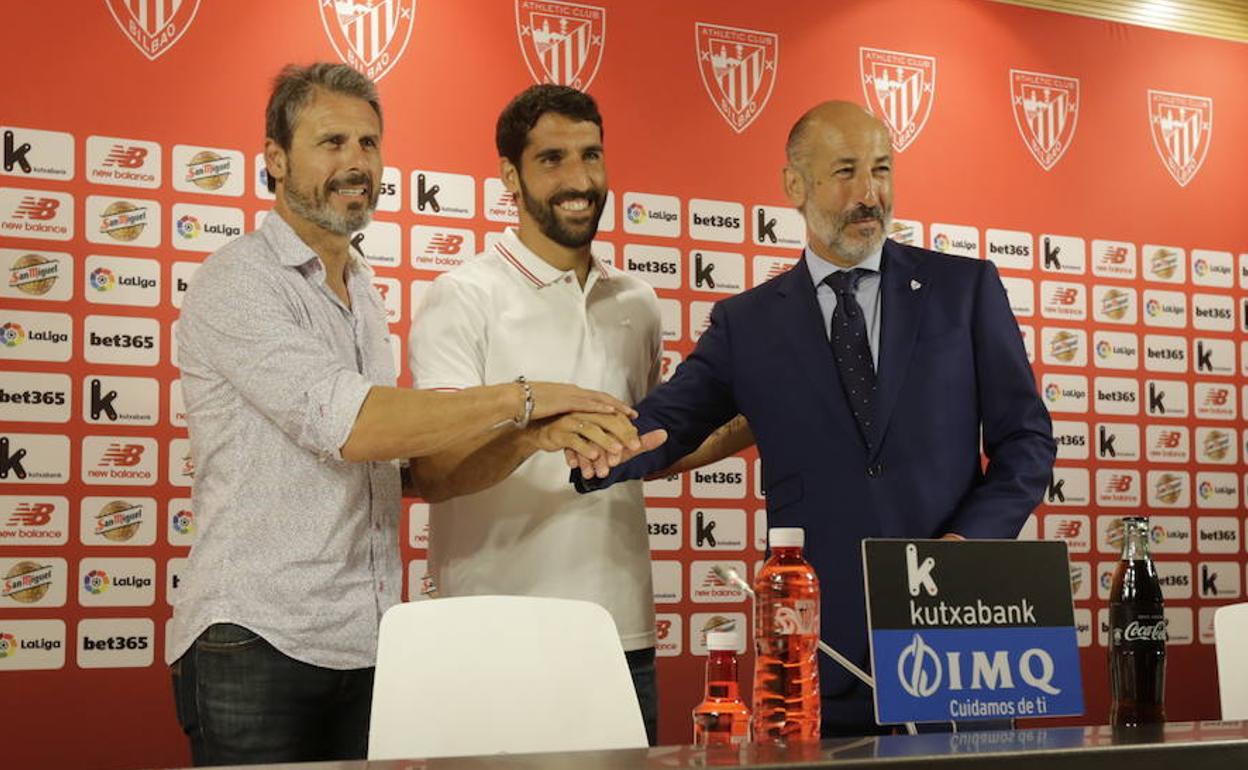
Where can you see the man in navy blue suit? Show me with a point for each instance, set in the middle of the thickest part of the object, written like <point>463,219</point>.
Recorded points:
<point>871,376</point>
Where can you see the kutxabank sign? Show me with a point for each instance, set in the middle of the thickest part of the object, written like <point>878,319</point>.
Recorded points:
<point>971,630</point>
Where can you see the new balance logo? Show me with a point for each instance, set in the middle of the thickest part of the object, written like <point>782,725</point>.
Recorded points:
<point>125,157</point>
<point>122,455</point>
<point>37,208</point>
<point>445,243</point>
<point>31,515</point>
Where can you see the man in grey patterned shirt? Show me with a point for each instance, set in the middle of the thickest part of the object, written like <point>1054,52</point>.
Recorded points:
<point>294,422</point>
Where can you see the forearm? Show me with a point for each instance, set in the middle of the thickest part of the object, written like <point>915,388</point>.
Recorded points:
<point>397,422</point>
<point>473,465</point>
<point>727,440</point>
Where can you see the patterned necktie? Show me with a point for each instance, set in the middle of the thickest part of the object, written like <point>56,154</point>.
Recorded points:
<point>852,351</point>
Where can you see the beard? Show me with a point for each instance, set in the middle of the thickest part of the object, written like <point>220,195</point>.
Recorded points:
<point>314,205</point>
<point>834,233</point>
<point>573,236</point>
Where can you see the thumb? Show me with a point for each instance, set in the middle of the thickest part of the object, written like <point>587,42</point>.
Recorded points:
<point>653,439</point>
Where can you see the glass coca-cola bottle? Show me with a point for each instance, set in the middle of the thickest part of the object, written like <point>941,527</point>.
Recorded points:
<point>1137,633</point>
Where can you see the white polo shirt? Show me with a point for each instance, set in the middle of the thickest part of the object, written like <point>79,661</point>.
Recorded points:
<point>508,313</point>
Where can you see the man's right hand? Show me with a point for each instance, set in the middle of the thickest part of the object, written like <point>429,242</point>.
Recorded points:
<point>555,398</point>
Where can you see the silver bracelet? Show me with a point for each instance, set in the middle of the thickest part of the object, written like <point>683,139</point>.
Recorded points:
<point>523,420</point>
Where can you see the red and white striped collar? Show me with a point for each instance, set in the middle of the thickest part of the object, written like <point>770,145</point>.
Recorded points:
<point>536,270</point>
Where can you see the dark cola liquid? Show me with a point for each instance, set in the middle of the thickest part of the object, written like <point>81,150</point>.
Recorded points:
<point>1137,646</point>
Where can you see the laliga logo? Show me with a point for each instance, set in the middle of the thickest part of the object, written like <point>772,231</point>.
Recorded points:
<point>1206,490</point>
<point>1104,349</point>
<point>920,672</point>
<point>1052,392</point>
<point>189,227</point>
<point>183,522</point>
<point>12,334</point>
<point>1201,268</point>
<point>102,279</point>
<point>8,645</point>
<point>1153,308</point>
<point>941,241</point>
<point>95,582</point>
<point>636,213</point>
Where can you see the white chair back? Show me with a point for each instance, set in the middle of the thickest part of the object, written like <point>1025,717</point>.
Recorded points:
<point>500,674</point>
<point>1230,634</point>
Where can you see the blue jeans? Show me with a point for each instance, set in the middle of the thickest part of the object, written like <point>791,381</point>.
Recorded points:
<point>240,701</point>
<point>641,666</point>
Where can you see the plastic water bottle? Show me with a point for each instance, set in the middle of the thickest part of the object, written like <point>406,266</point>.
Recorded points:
<point>786,639</point>
<point>721,719</point>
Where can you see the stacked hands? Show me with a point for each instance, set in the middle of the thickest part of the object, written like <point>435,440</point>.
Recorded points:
<point>594,430</point>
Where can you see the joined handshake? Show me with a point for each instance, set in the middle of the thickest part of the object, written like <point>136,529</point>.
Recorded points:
<point>594,429</point>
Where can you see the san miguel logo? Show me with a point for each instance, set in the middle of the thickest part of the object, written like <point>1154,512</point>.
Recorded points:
<point>1046,109</point>
<point>899,89</point>
<point>562,42</point>
<point>1182,128</point>
<point>738,69</point>
<point>370,35</point>
<point>154,26</point>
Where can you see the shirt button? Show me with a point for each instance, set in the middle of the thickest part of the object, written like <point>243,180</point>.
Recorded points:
<point>567,279</point>
<point>875,471</point>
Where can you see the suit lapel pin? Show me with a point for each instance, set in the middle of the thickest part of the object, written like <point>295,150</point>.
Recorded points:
<point>915,285</point>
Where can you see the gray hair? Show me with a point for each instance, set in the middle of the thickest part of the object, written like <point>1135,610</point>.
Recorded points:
<point>293,87</point>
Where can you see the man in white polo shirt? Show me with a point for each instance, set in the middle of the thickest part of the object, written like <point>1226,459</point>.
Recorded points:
<point>504,519</point>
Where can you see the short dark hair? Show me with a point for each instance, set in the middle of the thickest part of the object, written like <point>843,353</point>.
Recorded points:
<point>293,87</point>
<point>517,119</point>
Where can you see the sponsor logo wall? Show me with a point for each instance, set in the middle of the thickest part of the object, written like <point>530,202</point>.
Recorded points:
<point>1134,319</point>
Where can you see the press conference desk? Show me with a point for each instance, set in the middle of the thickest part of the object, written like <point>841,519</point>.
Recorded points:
<point>1185,746</point>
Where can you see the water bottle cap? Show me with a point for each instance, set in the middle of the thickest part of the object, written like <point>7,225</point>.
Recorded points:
<point>723,640</point>
<point>786,537</point>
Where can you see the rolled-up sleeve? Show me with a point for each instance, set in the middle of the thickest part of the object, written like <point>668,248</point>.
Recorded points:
<point>253,333</point>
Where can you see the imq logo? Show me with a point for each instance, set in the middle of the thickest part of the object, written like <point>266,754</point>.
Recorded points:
<point>921,672</point>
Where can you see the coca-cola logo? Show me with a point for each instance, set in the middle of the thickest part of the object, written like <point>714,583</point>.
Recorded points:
<point>1136,631</point>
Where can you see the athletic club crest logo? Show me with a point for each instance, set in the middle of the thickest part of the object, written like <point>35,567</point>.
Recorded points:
<point>738,69</point>
<point>1046,109</point>
<point>154,26</point>
<point>899,89</point>
<point>562,42</point>
<point>370,35</point>
<point>1182,127</point>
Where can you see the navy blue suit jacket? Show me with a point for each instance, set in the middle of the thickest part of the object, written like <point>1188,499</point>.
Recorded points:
<point>951,363</point>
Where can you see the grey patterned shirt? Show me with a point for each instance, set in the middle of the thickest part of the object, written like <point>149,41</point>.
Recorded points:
<point>291,541</point>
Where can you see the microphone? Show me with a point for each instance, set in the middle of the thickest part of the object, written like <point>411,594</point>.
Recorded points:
<point>730,576</point>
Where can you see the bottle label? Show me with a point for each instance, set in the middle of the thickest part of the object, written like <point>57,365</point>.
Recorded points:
<point>800,616</point>
<point>1128,627</point>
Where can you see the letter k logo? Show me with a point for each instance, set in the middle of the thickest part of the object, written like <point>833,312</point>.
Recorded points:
<point>919,575</point>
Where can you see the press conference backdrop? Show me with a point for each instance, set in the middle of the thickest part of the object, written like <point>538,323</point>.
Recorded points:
<point>1097,164</point>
